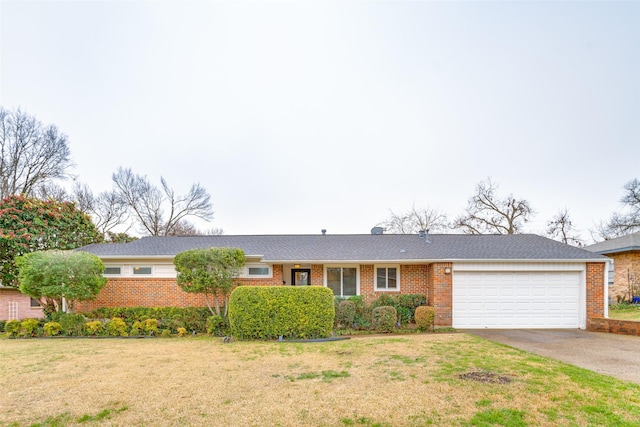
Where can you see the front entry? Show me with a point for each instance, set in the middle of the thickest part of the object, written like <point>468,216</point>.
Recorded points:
<point>300,276</point>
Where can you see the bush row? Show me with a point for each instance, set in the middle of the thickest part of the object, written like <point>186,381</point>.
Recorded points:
<point>362,318</point>
<point>190,318</point>
<point>79,325</point>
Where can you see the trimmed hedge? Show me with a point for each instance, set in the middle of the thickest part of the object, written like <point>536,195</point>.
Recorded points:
<point>424,317</point>
<point>405,304</point>
<point>384,318</point>
<point>190,318</point>
<point>293,312</point>
<point>346,314</point>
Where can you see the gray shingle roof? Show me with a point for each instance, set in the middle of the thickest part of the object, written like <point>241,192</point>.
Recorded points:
<point>630,242</point>
<point>357,247</point>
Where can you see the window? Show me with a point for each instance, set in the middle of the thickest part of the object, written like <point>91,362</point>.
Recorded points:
<point>113,270</point>
<point>256,271</point>
<point>35,303</point>
<point>142,270</point>
<point>343,281</point>
<point>387,278</point>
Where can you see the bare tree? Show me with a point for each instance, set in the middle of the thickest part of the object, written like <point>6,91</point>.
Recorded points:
<point>627,221</point>
<point>106,209</point>
<point>159,211</point>
<point>487,213</point>
<point>561,228</point>
<point>31,154</point>
<point>414,220</point>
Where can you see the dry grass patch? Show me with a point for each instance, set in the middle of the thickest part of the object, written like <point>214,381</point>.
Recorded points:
<point>396,381</point>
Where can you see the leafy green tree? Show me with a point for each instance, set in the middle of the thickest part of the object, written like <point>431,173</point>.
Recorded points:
<point>58,278</point>
<point>210,272</point>
<point>28,225</point>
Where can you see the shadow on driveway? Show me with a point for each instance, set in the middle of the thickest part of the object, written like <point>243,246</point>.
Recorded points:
<point>609,354</point>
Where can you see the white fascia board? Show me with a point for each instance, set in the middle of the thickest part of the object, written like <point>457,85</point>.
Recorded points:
<point>428,261</point>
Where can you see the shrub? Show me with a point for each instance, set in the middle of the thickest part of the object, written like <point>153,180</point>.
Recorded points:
<point>384,318</point>
<point>346,314</point>
<point>94,327</point>
<point>216,325</point>
<point>363,312</point>
<point>136,327</point>
<point>12,327</point>
<point>166,333</point>
<point>424,317</point>
<point>52,328</point>
<point>117,327</point>
<point>72,324</point>
<point>150,326</point>
<point>29,327</point>
<point>288,311</point>
<point>182,332</point>
<point>191,318</point>
<point>404,304</point>
<point>2,323</point>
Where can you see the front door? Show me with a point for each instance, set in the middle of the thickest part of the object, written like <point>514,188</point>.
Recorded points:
<point>301,276</point>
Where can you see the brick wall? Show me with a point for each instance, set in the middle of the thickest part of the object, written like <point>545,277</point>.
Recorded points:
<point>158,292</point>
<point>317,274</point>
<point>15,298</point>
<point>440,293</point>
<point>413,280</point>
<point>595,289</point>
<point>622,327</point>
<point>624,264</point>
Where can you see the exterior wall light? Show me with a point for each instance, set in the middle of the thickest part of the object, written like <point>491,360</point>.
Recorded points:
<point>447,270</point>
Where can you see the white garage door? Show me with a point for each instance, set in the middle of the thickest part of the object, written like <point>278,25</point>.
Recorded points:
<point>516,299</point>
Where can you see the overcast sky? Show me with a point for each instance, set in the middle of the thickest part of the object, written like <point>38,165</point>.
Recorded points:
<point>299,116</point>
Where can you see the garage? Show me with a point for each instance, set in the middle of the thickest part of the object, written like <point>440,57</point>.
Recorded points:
<point>516,299</point>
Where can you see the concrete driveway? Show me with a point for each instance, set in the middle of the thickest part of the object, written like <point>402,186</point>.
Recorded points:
<point>609,354</point>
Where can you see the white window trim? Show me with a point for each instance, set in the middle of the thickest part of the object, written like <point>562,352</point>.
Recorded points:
<point>356,266</point>
<point>375,277</point>
<point>245,271</point>
<point>133,270</point>
<point>121,267</point>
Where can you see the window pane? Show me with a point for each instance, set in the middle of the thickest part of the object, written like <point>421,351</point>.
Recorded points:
<point>35,303</point>
<point>349,284</point>
<point>393,282</point>
<point>333,280</point>
<point>112,270</point>
<point>381,278</point>
<point>258,271</point>
<point>141,270</point>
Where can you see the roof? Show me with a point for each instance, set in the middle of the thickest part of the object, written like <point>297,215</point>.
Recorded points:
<point>630,242</point>
<point>357,247</point>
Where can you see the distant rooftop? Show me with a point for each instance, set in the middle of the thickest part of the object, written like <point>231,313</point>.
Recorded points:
<point>356,247</point>
<point>630,242</point>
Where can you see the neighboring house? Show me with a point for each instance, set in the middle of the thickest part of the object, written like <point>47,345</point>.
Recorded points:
<point>473,281</point>
<point>625,253</point>
<point>14,305</point>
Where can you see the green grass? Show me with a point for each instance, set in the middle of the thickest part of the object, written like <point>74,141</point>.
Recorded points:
<point>414,380</point>
<point>625,312</point>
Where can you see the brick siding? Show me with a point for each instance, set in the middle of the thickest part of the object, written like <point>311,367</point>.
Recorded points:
<point>158,292</point>
<point>440,287</point>
<point>624,264</point>
<point>622,327</point>
<point>595,289</point>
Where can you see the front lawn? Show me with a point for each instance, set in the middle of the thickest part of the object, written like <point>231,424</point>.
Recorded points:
<point>625,312</point>
<point>414,380</point>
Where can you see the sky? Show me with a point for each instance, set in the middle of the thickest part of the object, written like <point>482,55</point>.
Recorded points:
<point>309,115</point>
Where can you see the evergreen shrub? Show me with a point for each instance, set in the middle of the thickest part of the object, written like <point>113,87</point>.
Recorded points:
<point>424,317</point>
<point>384,318</point>
<point>293,312</point>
